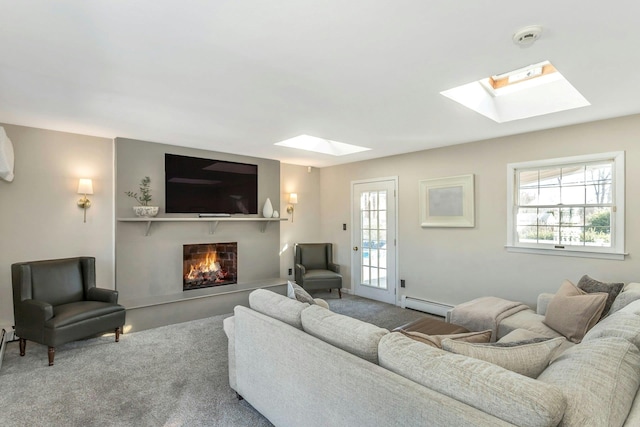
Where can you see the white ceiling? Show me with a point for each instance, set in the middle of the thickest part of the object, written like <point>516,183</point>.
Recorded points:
<point>239,75</point>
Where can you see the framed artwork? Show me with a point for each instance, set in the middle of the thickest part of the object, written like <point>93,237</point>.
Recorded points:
<point>447,202</point>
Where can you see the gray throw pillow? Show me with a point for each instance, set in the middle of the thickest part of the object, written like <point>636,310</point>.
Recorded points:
<point>297,292</point>
<point>590,285</point>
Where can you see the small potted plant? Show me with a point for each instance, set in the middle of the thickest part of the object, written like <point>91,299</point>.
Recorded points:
<point>144,198</point>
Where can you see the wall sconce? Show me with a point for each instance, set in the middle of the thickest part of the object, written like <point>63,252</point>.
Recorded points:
<point>293,199</point>
<point>85,186</point>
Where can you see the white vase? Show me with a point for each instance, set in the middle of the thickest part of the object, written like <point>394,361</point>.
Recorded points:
<point>276,214</point>
<point>267,209</point>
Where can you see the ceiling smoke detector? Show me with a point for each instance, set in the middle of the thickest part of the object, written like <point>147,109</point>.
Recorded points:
<point>526,36</point>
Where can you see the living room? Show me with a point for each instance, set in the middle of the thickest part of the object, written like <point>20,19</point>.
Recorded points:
<point>41,218</point>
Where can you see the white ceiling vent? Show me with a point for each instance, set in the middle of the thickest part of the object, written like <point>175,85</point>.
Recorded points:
<point>526,36</point>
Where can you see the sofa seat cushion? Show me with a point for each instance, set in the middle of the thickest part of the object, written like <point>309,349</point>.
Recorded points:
<point>599,378</point>
<point>529,320</point>
<point>528,359</point>
<point>74,312</point>
<point>436,340</point>
<point>278,306</point>
<point>490,388</point>
<point>352,335</point>
<point>620,324</point>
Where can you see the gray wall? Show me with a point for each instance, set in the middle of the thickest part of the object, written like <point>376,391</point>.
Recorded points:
<point>152,265</point>
<point>455,265</point>
<point>39,216</point>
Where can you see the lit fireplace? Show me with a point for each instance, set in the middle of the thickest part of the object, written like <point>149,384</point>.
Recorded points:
<point>209,264</point>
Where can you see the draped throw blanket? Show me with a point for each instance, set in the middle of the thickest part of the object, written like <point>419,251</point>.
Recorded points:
<point>485,313</point>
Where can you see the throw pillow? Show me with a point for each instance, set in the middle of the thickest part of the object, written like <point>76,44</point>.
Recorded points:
<point>436,340</point>
<point>591,285</point>
<point>528,358</point>
<point>572,311</point>
<point>297,292</point>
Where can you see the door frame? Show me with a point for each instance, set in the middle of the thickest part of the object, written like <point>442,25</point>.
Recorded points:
<point>396,282</point>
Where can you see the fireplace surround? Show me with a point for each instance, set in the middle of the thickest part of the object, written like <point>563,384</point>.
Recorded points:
<point>207,265</point>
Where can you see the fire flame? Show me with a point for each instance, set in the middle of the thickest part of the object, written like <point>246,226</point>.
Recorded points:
<point>204,269</point>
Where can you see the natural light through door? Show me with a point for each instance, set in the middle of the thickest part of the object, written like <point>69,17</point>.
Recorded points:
<point>374,212</point>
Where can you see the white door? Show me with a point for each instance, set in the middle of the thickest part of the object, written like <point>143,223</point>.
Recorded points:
<point>374,239</point>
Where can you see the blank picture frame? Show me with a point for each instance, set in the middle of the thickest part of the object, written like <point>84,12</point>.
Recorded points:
<point>447,202</point>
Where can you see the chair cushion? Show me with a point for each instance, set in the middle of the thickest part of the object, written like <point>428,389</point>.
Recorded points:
<point>323,275</point>
<point>57,281</point>
<point>314,256</point>
<point>68,314</point>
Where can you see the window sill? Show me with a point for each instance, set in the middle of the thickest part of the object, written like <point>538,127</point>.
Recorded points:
<point>619,256</point>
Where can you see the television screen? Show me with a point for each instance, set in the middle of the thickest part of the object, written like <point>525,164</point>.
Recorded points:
<point>195,185</point>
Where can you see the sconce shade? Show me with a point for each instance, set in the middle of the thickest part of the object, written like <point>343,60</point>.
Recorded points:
<point>85,186</point>
<point>293,198</point>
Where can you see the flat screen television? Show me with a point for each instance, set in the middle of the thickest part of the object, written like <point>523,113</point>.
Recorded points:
<point>208,186</point>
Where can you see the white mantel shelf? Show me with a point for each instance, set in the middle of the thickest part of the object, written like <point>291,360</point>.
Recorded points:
<point>213,221</point>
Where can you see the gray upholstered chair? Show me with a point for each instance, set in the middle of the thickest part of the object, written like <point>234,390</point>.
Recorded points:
<point>314,267</point>
<point>56,301</point>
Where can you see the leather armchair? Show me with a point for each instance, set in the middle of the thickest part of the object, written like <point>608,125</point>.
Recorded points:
<point>314,267</point>
<point>56,301</point>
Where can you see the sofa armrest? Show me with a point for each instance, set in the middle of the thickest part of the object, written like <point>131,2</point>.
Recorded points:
<point>34,313</point>
<point>229,326</point>
<point>103,295</point>
<point>543,302</point>
<point>333,267</point>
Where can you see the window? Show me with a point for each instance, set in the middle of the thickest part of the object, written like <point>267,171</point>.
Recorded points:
<point>570,206</point>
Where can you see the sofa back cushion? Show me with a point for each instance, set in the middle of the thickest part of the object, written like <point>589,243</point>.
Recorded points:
<point>504,394</point>
<point>277,306</point>
<point>352,335</point>
<point>599,378</point>
<point>620,324</point>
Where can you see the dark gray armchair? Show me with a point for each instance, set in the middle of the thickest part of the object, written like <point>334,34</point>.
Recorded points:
<point>56,301</point>
<point>314,267</point>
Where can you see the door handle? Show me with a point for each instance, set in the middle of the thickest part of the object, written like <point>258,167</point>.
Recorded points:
<point>355,248</point>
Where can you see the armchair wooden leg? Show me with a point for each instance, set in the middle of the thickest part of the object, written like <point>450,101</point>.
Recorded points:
<point>23,346</point>
<point>118,334</point>
<point>52,354</point>
<point>239,396</point>
<point>340,292</point>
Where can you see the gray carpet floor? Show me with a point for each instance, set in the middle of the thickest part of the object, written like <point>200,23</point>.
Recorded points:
<point>170,376</point>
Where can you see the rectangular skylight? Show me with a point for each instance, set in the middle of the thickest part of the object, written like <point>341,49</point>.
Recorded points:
<point>321,145</point>
<point>530,91</point>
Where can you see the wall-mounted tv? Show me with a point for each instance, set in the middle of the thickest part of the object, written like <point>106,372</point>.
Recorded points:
<point>195,185</point>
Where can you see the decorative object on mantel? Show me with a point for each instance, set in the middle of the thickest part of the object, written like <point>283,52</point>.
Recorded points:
<point>85,186</point>
<point>144,210</point>
<point>276,214</point>
<point>267,209</point>
<point>447,202</point>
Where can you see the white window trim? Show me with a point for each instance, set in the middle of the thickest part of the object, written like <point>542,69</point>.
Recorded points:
<point>616,251</point>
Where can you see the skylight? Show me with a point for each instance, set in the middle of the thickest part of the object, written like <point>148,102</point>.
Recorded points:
<point>321,145</point>
<point>526,92</point>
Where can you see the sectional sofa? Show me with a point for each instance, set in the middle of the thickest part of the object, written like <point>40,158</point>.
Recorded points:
<point>302,365</point>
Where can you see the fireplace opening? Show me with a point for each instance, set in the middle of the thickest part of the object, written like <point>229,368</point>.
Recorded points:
<point>206,265</point>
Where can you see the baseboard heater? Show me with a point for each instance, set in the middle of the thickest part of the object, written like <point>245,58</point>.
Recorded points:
<point>431,307</point>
